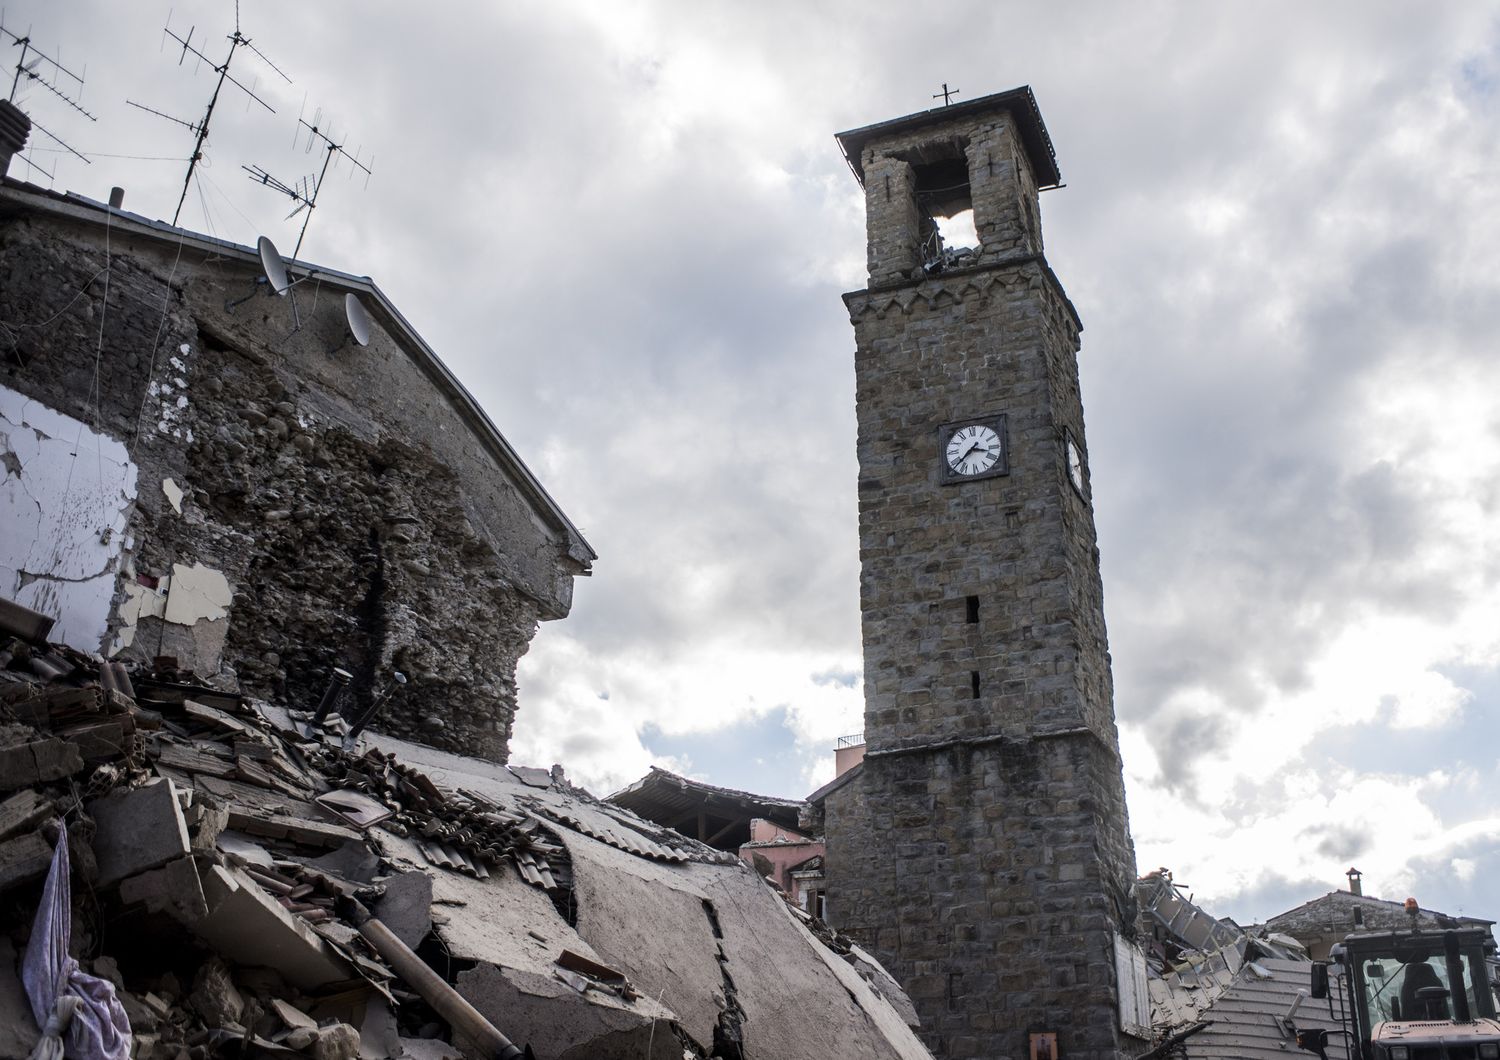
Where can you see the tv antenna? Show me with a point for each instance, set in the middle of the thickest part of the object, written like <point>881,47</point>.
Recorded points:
<point>34,66</point>
<point>305,192</point>
<point>200,128</point>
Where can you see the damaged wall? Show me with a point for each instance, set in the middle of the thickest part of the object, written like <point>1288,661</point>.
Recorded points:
<point>294,501</point>
<point>64,503</point>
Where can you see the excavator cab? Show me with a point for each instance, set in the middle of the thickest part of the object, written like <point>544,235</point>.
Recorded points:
<point>1410,995</point>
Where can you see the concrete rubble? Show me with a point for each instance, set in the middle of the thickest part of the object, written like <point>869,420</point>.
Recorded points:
<point>255,884</point>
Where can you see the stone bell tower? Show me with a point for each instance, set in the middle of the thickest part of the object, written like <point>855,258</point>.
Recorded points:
<point>981,850</point>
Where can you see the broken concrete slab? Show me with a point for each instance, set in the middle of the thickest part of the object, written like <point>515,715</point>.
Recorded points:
<point>273,825</point>
<point>23,858</point>
<point>248,926</point>
<point>406,907</point>
<point>597,1025</point>
<point>139,829</point>
<point>640,920</point>
<point>206,818</point>
<point>883,983</point>
<point>238,845</point>
<point>379,1036</point>
<point>174,889</point>
<point>102,740</point>
<point>22,811</point>
<point>352,861</point>
<point>488,920</point>
<point>26,761</point>
<point>292,1016</point>
<point>809,1001</point>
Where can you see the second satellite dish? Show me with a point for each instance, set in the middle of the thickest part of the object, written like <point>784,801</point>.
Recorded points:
<point>359,319</point>
<point>274,265</point>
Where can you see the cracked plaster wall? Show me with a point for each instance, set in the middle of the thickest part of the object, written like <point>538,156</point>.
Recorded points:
<point>65,502</point>
<point>334,494</point>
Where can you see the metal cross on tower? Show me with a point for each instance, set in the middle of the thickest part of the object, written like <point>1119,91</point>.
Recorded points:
<point>946,93</point>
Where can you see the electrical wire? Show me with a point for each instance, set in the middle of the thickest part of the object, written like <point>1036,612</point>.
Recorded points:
<point>166,301</point>
<point>97,154</point>
<point>225,196</point>
<point>9,327</point>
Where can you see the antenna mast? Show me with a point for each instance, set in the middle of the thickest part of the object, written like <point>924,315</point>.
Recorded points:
<point>200,128</point>
<point>59,81</point>
<point>305,192</point>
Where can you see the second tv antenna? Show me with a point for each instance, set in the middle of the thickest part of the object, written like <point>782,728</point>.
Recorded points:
<point>200,128</point>
<point>305,192</point>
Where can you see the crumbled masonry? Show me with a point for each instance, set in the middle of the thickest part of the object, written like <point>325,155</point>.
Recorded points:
<point>245,489</point>
<point>252,886</point>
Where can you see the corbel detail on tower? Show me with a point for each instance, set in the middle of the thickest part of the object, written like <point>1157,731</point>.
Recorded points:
<point>955,288</point>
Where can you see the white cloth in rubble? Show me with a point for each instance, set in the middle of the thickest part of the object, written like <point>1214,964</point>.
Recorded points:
<point>79,1014</point>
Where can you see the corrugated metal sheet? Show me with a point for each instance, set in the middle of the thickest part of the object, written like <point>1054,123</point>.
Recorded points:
<point>1245,1021</point>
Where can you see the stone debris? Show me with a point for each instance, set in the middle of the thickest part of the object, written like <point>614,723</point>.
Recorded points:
<point>255,884</point>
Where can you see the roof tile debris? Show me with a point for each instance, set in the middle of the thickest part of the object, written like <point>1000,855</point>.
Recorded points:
<point>1218,991</point>
<point>252,888</point>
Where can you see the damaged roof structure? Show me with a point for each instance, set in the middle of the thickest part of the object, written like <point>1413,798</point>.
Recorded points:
<point>717,816</point>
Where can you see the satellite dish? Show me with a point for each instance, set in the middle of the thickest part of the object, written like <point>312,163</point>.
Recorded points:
<point>359,319</point>
<point>275,266</point>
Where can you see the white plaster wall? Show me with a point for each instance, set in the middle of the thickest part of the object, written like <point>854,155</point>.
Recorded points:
<point>64,503</point>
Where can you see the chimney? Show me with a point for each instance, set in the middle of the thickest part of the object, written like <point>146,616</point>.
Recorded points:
<point>1354,888</point>
<point>15,127</point>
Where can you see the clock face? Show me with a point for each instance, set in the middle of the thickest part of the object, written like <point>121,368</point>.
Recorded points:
<point>973,450</point>
<point>1075,465</point>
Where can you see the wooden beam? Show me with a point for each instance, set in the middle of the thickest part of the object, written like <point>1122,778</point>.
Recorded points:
<point>711,840</point>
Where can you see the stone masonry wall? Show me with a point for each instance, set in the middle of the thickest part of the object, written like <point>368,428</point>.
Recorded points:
<point>983,852</point>
<point>985,879</point>
<point>354,516</point>
<point>1022,543</point>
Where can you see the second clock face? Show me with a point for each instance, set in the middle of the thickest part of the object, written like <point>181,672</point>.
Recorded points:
<point>973,450</point>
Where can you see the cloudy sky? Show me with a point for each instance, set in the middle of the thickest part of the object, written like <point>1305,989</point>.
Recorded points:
<point>627,226</point>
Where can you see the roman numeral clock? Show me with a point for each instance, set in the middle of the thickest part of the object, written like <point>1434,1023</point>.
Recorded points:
<point>973,449</point>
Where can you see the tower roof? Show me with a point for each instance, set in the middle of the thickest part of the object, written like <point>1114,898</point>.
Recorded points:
<point>1019,101</point>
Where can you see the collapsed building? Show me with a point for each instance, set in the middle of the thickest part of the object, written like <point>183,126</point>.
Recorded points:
<point>236,490</point>
<point>250,881</point>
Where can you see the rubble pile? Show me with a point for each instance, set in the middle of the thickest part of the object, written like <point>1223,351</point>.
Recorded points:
<point>253,881</point>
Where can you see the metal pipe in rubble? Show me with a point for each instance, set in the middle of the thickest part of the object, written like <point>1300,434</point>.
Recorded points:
<point>463,1017</point>
<point>364,719</point>
<point>337,682</point>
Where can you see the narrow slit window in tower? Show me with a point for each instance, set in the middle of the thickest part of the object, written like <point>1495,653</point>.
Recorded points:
<point>972,615</point>
<point>974,683</point>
